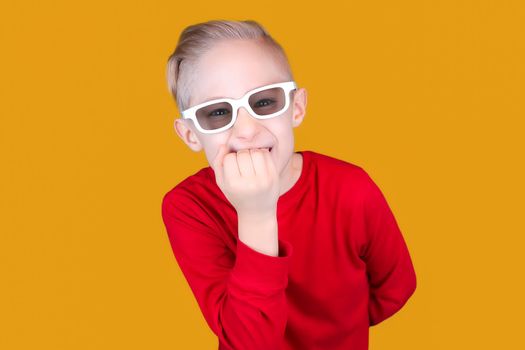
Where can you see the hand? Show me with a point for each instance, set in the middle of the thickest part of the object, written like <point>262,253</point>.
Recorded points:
<point>248,179</point>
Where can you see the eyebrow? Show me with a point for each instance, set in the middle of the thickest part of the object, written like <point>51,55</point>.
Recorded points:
<point>221,97</point>
<point>215,98</point>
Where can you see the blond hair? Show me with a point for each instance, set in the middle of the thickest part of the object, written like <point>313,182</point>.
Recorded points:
<point>196,39</point>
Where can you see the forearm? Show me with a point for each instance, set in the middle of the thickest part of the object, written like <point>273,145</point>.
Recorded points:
<point>242,296</point>
<point>259,231</point>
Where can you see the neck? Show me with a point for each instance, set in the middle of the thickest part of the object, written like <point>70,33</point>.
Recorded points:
<point>291,174</point>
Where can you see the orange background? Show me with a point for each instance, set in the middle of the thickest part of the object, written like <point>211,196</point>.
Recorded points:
<point>427,96</point>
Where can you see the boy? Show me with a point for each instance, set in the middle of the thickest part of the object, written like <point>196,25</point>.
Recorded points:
<point>281,250</point>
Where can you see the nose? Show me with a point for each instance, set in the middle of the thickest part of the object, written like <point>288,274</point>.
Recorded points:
<point>246,126</point>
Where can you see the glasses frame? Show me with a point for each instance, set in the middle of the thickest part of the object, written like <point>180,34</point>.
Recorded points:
<point>287,86</point>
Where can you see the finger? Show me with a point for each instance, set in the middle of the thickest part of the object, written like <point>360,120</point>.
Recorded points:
<point>217,163</point>
<point>270,165</point>
<point>218,160</point>
<point>244,161</point>
<point>259,162</point>
<point>231,169</point>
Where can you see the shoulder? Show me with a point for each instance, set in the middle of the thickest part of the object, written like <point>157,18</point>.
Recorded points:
<point>194,204</point>
<point>332,163</point>
<point>350,188</point>
<point>338,171</point>
<point>190,191</point>
<point>343,183</point>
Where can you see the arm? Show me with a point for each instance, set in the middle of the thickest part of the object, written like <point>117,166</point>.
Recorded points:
<point>390,271</point>
<point>259,231</point>
<point>241,295</point>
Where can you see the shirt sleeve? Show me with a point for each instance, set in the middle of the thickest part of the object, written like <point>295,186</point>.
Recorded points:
<point>391,274</point>
<point>241,294</point>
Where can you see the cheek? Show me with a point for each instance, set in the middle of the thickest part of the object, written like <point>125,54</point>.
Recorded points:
<point>284,141</point>
<point>211,146</point>
<point>281,127</point>
<point>284,135</point>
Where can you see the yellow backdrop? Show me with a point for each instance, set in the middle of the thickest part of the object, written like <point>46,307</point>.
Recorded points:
<point>427,96</point>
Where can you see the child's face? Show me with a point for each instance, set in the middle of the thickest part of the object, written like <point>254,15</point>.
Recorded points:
<point>230,69</point>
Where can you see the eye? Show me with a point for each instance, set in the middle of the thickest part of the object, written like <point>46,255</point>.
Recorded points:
<point>264,102</point>
<point>219,112</point>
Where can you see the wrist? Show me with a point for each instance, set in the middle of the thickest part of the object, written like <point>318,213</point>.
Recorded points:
<point>259,231</point>
<point>258,216</point>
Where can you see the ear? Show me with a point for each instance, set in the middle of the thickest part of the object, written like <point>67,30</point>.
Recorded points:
<point>299,107</point>
<point>187,135</point>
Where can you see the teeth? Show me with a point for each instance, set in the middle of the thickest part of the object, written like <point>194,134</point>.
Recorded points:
<point>269,149</point>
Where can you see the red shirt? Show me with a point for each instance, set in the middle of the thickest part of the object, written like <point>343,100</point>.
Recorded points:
<point>343,264</point>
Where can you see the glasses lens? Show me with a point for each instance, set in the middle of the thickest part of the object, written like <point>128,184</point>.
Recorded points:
<point>214,116</point>
<point>267,101</point>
